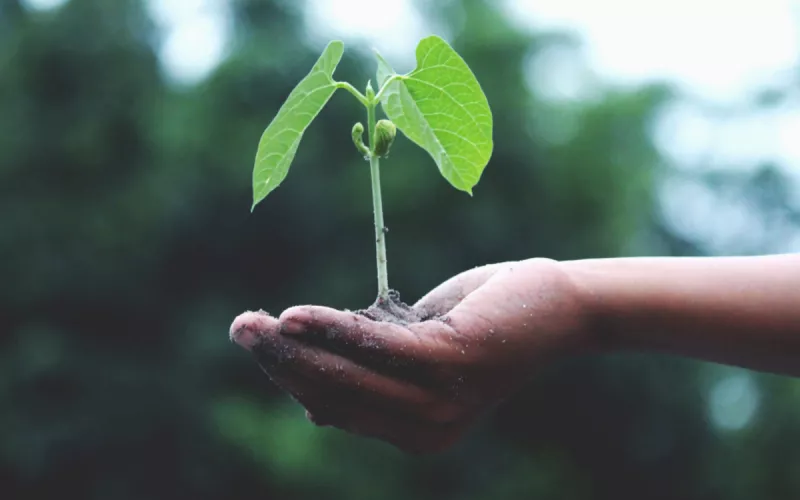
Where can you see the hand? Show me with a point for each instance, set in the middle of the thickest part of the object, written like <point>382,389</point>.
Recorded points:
<point>420,385</point>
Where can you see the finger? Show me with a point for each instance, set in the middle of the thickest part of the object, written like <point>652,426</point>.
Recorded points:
<point>351,415</point>
<point>372,343</point>
<point>449,294</point>
<point>250,327</point>
<point>341,379</point>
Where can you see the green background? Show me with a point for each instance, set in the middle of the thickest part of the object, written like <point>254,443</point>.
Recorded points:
<point>127,248</point>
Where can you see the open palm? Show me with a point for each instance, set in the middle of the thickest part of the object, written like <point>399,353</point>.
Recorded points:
<point>420,385</point>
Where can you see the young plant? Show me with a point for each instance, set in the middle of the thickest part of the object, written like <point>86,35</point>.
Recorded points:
<point>439,106</point>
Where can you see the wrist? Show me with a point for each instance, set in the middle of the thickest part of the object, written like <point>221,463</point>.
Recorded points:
<point>571,309</point>
<point>592,295</point>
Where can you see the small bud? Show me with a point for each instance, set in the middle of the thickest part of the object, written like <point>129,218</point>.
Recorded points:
<point>358,139</point>
<point>385,132</point>
<point>370,93</point>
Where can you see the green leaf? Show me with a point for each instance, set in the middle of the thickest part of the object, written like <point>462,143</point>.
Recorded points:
<point>280,140</point>
<point>440,106</point>
<point>384,71</point>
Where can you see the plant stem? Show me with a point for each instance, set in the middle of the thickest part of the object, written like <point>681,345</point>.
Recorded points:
<point>358,95</point>
<point>386,86</point>
<point>377,204</point>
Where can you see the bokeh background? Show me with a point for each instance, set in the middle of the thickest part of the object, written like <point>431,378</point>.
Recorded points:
<point>127,135</point>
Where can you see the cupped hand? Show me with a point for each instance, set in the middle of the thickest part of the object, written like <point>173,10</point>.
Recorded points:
<point>420,385</point>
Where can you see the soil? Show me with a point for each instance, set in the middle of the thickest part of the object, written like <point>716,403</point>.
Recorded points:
<point>392,310</point>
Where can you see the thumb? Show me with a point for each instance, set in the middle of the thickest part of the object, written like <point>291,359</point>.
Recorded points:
<point>449,294</point>
<point>499,305</point>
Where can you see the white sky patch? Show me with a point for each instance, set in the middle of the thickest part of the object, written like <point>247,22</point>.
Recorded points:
<point>196,34</point>
<point>716,48</point>
<point>792,245</point>
<point>42,4</point>
<point>560,74</point>
<point>690,136</point>
<point>733,401</point>
<point>697,212</point>
<point>392,27</point>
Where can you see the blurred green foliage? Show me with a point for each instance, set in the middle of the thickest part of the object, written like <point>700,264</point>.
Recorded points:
<point>128,247</point>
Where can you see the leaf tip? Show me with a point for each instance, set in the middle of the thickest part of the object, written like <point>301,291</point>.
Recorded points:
<point>381,59</point>
<point>335,49</point>
<point>257,198</point>
<point>465,188</point>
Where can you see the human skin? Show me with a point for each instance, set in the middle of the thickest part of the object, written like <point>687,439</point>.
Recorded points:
<point>420,386</point>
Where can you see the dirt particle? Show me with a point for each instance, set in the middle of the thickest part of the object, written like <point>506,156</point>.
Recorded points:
<point>392,310</point>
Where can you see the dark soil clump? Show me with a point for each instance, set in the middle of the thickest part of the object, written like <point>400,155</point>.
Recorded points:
<point>392,310</point>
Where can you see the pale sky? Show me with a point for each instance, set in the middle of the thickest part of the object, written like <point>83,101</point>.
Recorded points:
<point>717,48</point>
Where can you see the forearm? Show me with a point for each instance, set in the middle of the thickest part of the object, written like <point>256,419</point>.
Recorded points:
<point>735,310</point>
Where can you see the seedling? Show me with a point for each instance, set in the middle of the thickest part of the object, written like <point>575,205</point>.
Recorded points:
<point>439,106</point>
